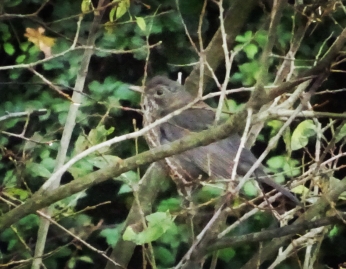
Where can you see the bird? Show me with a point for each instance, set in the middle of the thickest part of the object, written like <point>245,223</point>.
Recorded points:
<point>162,96</point>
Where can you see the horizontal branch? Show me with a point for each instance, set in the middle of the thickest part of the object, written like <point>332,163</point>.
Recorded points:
<point>9,115</point>
<point>273,233</point>
<point>82,47</point>
<point>272,114</point>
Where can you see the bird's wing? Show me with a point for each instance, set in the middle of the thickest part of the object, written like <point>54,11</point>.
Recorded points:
<point>216,159</point>
<point>214,156</point>
<point>198,118</point>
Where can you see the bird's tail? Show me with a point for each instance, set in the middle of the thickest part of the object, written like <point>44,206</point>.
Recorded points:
<point>262,177</point>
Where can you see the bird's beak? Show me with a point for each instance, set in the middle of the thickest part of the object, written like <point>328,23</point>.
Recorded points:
<point>136,89</point>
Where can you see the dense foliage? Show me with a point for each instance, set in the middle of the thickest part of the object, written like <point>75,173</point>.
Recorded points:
<point>65,71</point>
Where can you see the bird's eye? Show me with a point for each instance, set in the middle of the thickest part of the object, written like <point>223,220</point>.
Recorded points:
<point>159,92</point>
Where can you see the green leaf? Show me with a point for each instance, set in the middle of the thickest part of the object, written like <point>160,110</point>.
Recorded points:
<point>141,23</point>
<point>81,168</point>
<point>244,38</point>
<point>9,49</point>
<point>171,204</point>
<point>11,123</point>
<point>226,254</point>
<point>300,190</point>
<point>130,235</point>
<point>53,64</point>
<point>5,33</point>
<point>164,255</point>
<point>112,13</point>
<point>341,134</point>
<point>71,202</point>
<point>112,235</point>
<point>110,84</point>
<point>279,178</point>
<point>210,191</point>
<point>29,222</point>
<point>48,163</point>
<point>251,50</point>
<point>24,46</point>
<point>22,194</point>
<point>103,161</point>
<point>261,37</point>
<point>95,87</point>
<point>99,134</point>
<point>160,220</point>
<point>276,162</point>
<point>81,144</point>
<point>285,164</point>
<point>62,117</point>
<point>12,3</point>
<point>20,59</point>
<point>123,6</point>
<point>302,133</point>
<point>86,259</point>
<point>37,169</point>
<point>45,153</point>
<point>249,72</point>
<point>275,126</point>
<point>123,92</point>
<point>233,106</point>
<point>291,168</point>
<point>10,178</point>
<point>158,224</point>
<point>86,6</point>
<point>130,177</point>
<point>72,262</point>
<point>334,231</point>
<point>250,188</point>
<point>11,244</point>
<point>125,188</point>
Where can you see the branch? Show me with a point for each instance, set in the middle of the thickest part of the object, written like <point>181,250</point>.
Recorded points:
<point>318,208</point>
<point>272,233</point>
<point>69,126</point>
<point>259,92</point>
<point>234,124</point>
<point>322,66</point>
<point>236,17</point>
<point>38,201</point>
<point>149,187</point>
<point>38,112</point>
<point>44,198</point>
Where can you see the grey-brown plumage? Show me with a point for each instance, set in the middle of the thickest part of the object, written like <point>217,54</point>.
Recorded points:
<point>163,96</point>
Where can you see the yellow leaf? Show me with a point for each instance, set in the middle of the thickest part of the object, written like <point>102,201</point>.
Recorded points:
<point>36,36</point>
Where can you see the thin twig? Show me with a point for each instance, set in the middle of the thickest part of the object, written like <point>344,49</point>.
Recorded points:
<point>11,115</point>
<point>102,253</point>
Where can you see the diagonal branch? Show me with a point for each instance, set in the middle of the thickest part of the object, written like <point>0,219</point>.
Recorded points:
<point>68,129</point>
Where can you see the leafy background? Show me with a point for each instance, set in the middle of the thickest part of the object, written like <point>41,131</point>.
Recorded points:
<point>109,109</point>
